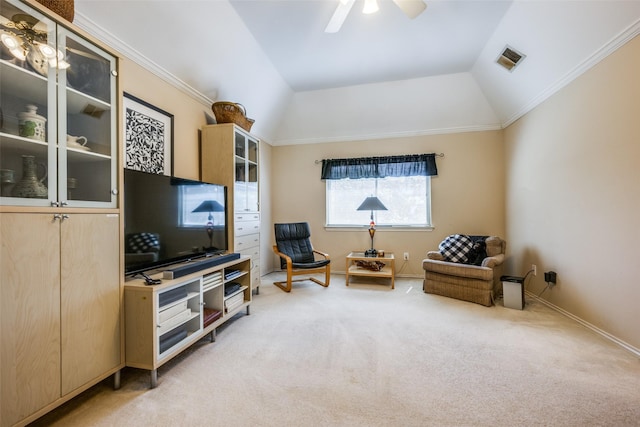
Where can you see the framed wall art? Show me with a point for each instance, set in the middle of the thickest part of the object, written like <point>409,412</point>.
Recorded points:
<point>148,136</point>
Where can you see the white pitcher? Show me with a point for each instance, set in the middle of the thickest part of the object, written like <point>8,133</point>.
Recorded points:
<point>76,141</point>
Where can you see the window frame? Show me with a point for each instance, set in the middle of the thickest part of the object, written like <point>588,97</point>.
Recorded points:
<point>194,198</point>
<point>428,225</point>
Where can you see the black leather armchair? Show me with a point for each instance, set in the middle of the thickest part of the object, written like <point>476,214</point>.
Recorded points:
<point>297,256</point>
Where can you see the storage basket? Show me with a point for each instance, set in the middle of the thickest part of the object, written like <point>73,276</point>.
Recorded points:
<point>230,112</point>
<point>64,8</point>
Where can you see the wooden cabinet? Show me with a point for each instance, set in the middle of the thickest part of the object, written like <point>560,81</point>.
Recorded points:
<point>163,320</point>
<point>90,293</point>
<point>58,116</point>
<point>60,313</point>
<point>230,156</point>
<point>61,317</point>
<point>29,315</point>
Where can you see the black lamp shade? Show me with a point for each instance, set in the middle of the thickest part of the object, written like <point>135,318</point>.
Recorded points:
<point>372,203</point>
<point>209,206</point>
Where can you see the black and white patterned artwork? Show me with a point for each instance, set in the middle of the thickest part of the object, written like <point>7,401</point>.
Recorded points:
<point>148,137</point>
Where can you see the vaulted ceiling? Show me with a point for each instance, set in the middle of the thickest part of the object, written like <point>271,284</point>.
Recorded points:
<point>381,75</point>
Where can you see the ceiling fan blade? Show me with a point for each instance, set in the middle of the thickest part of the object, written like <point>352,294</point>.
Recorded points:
<point>411,8</point>
<point>344,6</point>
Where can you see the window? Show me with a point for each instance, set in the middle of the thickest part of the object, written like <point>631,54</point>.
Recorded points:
<point>193,202</point>
<point>401,183</point>
<point>407,199</point>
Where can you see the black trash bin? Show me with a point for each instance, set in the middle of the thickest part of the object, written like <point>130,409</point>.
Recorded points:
<point>513,291</point>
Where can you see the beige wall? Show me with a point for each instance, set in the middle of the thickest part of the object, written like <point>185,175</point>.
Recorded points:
<point>573,201</point>
<point>189,117</point>
<point>468,193</point>
<point>266,224</point>
<point>189,114</point>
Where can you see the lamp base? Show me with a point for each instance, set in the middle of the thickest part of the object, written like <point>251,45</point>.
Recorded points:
<point>371,253</point>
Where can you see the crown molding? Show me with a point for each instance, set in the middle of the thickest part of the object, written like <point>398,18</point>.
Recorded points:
<point>614,44</point>
<point>387,135</point>
<point>95,30</point>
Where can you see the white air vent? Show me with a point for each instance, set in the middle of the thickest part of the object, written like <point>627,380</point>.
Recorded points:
<point>509,58</point>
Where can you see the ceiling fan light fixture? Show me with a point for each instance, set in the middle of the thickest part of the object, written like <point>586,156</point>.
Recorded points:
<point>60,64</point>
<point>47,51</point>
<point>10,41</point>
<point>411,8</point>
<point>14,45</point>
<point>370,6</point>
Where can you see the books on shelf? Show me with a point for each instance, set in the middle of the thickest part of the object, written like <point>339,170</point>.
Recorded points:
<point>172,295</point>
<point>231,287</point>
<point>210,315</point>
<point>172,338</point>
<point>211,280</point>
<point>174,310</point>
<point>170,323</point>
<point>232,274</point>
<point>234,302</point>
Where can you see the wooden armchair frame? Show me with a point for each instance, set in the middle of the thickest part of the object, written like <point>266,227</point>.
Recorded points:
<point>295,271</point>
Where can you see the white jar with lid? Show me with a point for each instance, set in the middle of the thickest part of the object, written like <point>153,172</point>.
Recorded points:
<point>31,124</point>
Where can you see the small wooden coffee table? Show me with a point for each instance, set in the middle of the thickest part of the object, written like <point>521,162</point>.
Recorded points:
<point>388,271</point>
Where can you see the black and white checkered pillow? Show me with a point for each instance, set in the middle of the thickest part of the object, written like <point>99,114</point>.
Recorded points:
<point>456,247</point>
<point>143,242</point>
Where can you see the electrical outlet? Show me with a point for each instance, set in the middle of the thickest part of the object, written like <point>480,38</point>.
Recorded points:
<point>406,256</point>
<point>550,277</point>
<point>535,269</point>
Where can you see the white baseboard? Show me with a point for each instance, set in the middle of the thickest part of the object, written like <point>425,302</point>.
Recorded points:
<point>587,325</point>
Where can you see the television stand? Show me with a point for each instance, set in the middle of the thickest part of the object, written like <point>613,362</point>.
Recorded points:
<point>165,319</point>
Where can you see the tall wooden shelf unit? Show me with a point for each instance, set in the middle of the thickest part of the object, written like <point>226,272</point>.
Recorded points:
<point>61,317</point>
<point>230,156</point>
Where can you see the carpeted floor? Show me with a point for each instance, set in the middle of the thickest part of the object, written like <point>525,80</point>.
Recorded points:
<point>366,355</point>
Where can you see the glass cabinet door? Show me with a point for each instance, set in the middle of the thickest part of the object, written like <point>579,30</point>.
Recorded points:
<point>86,130</point>
<point>252,175</point>
<point>246,179</point>
<point>27,106</point>
<point>240,187</point>
<point>58,138</point>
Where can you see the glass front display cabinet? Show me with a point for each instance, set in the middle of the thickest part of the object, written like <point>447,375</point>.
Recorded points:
<point>58,105</point>
<point>246,173</point>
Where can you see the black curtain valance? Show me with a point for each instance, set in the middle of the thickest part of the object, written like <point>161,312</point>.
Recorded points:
<point>380,167</point>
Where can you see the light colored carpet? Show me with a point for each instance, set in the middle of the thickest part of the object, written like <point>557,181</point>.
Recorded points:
<point>366,355</point>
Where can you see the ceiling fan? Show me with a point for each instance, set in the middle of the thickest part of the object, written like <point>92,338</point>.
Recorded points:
<point>411,8</point>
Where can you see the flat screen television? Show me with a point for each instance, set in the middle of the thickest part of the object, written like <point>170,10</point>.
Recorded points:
<point>168,220</point>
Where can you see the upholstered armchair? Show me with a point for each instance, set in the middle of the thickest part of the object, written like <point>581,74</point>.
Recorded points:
<point>475,283</point>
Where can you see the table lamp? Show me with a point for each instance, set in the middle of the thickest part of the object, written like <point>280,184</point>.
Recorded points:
<point>372,203</point>
<point>209,206</point>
